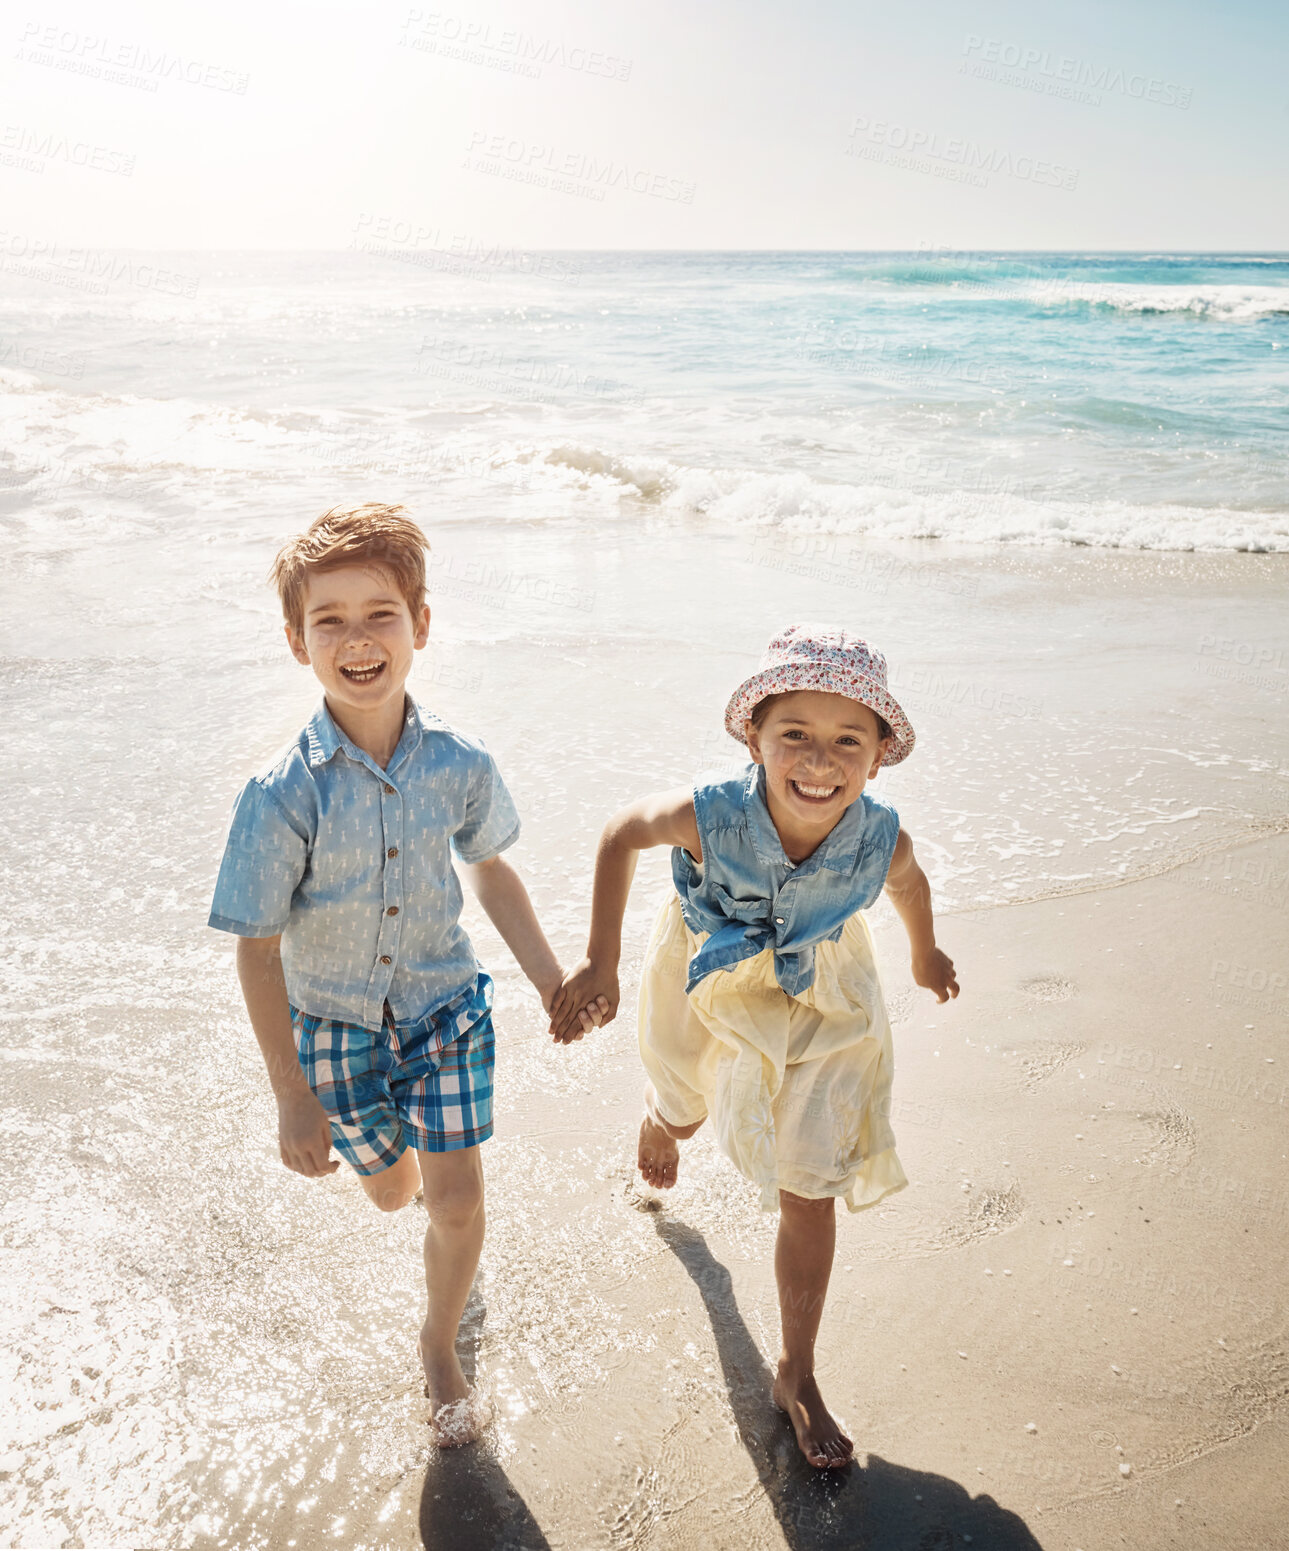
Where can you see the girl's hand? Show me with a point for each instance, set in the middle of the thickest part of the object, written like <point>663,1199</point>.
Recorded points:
<point>935,971</point>
<point>588,999</point>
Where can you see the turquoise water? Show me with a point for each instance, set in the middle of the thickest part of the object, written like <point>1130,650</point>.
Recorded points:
<point>1120,400</point>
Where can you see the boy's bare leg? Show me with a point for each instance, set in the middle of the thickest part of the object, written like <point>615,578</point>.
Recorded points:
<point>393,1188</point>
<point>803,1254</point>
<point>453,1183</point>
<point>658,1157</point>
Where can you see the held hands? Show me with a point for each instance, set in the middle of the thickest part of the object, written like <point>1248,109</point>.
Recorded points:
<point>587,999</point>
<point>304,1134</point>
<point>934,970</point>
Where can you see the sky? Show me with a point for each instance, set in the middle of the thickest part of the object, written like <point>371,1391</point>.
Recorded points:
<point>566,124</point>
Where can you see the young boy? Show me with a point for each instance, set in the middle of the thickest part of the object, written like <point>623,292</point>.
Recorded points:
<point>372,1013</point>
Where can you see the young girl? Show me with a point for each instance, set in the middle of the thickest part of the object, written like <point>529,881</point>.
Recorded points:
<point>759,998</point>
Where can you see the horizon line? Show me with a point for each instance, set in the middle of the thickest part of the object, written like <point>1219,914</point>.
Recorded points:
<point>501,242</point>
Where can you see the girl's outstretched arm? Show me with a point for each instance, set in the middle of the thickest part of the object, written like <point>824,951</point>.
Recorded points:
<point>666,819</point>
<point>908,890</point>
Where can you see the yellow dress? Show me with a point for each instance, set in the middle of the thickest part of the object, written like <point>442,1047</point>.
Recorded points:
<point>798,1087</point>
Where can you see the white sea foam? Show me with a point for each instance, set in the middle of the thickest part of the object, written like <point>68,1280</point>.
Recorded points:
<point>62,446</point>
<point>747,499</point>
<point>1222,303</point>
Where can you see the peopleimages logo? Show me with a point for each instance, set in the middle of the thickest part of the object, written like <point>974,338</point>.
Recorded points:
<point>525,53</point>
<point>41,146</point>
<point>531,161</point>
<point>88,269</point>
<point>392,236</point>
<point>90,53</point>
<point>1073,72</point>
<point>973,159</point>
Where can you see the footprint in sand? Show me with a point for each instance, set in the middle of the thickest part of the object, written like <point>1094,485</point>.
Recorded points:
<point>1171,1144</point>
<point>638,1198</point>
<point>1039,1062</point>
<point>1048,988</point>
<point>920,1233</point>
<point>1219,1402</point>
<point>1160,1145</point>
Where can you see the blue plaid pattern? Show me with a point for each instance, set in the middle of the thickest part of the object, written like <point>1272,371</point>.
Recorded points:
<point>427,1085</point>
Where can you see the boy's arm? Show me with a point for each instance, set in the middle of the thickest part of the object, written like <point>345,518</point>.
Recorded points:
<point>908,890</point>
<point>666,819</point>
<point>501,892</point>
<point>304,1133</point>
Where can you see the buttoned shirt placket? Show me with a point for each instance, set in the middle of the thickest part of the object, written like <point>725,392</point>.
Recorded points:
<point>768,846</point>
<point>392,821</point>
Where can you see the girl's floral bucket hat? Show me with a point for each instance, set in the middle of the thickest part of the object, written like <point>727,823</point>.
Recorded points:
<point>828,658</point>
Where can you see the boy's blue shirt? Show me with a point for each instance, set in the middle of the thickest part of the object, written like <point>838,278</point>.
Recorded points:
<point>352,864</point>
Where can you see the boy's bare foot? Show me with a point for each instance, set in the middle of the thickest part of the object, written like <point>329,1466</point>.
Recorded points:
<point>458,1413</point>
<point>461,1421</point>
<point>819,1437</point>
<point>659,1156</point>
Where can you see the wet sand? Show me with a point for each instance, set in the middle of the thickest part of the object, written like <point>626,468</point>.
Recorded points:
<point>1092,1242</point>
<point>206,1350</point>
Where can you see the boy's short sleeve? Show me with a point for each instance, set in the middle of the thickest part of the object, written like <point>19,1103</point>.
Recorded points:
<point>491,823</point>
<point>264,860</point>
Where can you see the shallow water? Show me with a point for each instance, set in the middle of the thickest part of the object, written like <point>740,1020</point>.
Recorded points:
<point>206,1350</point>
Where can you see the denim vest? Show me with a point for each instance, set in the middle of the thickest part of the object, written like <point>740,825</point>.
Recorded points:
<point>749,896</point>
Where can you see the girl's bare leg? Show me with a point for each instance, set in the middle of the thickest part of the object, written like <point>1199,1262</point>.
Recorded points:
<point>453,1183</point>
<point>658,1156</point>
<point>803,1255</point>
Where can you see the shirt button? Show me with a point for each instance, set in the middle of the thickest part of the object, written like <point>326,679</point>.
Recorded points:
<point>393,851</point>
<point>385,959</point>
<point>778,920</point>
<point>392,911</point>
<point>389,788</point>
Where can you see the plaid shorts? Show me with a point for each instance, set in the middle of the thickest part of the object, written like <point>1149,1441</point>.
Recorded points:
<point>426,1084</point>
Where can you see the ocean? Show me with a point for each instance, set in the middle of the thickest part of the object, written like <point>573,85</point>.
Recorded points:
<point>1133,401</point>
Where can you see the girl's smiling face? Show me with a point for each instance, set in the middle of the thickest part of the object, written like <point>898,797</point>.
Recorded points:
<point>819,751</point>
<point>359,635</point>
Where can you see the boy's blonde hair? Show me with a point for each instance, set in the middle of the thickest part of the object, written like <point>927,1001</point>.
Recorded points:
<point>371,534</point>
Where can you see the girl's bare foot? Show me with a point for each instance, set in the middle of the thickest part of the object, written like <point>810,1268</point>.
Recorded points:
<point>819,1437</point>
<point>658,1156</point>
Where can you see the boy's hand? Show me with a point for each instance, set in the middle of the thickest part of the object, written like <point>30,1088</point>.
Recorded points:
<point>935,972</point>
<point>304,1135</point>
<point>587,999</point>
<point>588,1017</point>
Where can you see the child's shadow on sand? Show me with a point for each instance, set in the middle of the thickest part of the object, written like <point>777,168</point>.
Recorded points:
<point>467,1501</point>
<point>872,1507</point>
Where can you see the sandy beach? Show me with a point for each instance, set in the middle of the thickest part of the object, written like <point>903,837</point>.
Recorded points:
<point>1068,1332</point>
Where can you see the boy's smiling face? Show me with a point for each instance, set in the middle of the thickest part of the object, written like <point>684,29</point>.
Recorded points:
<point>819,751</point>
<point>359,635</point>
